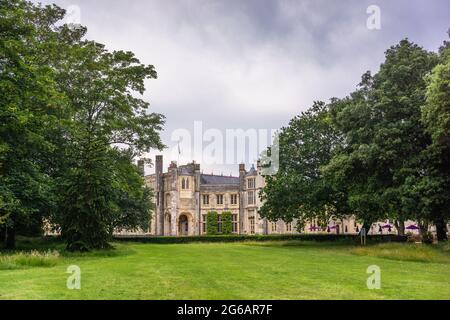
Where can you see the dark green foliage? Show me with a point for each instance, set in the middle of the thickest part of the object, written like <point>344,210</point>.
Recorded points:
<point>384,137</point>
<point>436,111</point>
<point>28,104</point>
<point>87,198</point>
<point>432,189</point>
<point>227,223</point>
<point>104,187</point>
<point>299,189</point>
<point>72,124</point>
<point>211,223</point>
<point>370,154</point>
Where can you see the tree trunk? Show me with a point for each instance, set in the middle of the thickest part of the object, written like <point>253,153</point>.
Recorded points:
<point>366,225</point>
<point>441,229</point>
<point>3,235</point>
<point>423,228</point>
<point>400,225</point>
<point>10,242</point>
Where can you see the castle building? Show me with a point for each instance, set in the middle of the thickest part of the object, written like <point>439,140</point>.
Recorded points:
<point>184,196</point>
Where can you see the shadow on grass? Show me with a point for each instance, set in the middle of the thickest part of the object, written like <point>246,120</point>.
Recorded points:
<point>341,244</point>
<point>117,250</point>
<point>36,243</point>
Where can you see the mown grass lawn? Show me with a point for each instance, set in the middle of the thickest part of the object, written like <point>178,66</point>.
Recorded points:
<point>295,270</point>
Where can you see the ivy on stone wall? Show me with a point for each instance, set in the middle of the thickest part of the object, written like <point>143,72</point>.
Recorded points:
<point>227,222</point>
<point>211,223</point>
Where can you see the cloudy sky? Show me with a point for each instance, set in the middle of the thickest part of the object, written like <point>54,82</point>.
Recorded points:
<point>252,64</point>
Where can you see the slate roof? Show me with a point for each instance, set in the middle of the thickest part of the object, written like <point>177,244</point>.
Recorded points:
<point>218,180</point>
<point>186,170</point>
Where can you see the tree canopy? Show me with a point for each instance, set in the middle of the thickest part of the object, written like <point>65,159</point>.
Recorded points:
<point>73,120</point>
<point>377,154</point>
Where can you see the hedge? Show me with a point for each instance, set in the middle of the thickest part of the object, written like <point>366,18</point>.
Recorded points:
<point>278,237</point>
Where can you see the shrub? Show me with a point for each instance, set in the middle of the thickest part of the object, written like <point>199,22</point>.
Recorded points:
<point>412,238</point>
<point>427,237</point>
<point>227,223</point>
<point>211,223</point>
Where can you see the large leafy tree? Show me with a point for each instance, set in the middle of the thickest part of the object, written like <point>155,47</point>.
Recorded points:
<point>99,124</point>
<point>348,169</point>
<point>436,111</point>
<point>432,187</point>
<point>299,190</point>
<point>384,136</point>
<point>109,123</point>
<point>29,103</point>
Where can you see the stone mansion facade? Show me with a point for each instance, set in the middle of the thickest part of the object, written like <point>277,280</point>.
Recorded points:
<point>184,195</point>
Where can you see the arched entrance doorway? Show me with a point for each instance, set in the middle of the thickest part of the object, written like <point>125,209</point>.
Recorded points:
<point>183,225</point>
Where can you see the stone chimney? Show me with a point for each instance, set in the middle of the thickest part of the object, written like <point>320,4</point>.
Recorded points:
<point>158,169</point>
<point>159,216</point>
<point>242,176</point>
<point>241,195</point>
<point>173,165</point>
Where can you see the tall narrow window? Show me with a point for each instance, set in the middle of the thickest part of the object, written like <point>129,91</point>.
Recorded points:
<point>251,197</point>
<point>183,184</point>
<point>274,227</point>
<point>251,183</point>
<point>289,227</point>
<point>187,183</point>
<point>251,223</point>
<point>219,199</point>
<point>235,223</point>
<point>233,199</point>
<point>206,199</point>
<point>203,223</point>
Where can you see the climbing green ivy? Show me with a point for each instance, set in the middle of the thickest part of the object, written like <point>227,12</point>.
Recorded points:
<point>227,222</point>
<point>211,223</point>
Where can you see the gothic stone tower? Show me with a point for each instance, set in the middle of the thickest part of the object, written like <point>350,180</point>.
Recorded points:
<point>177,199</point>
